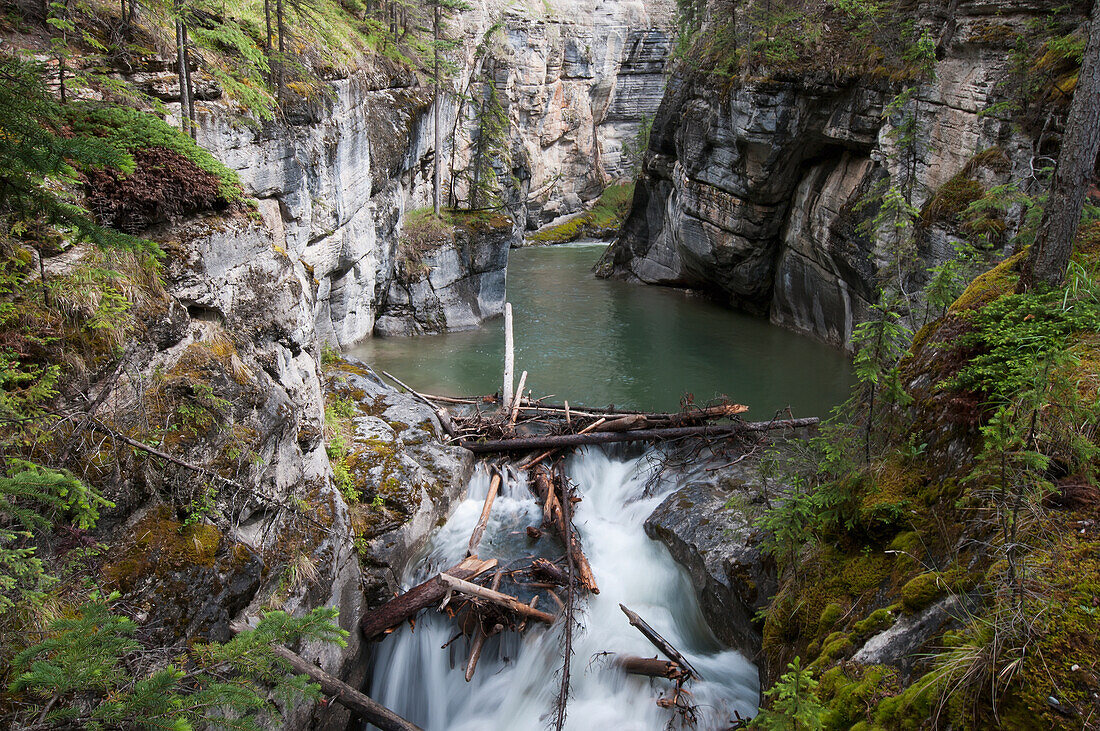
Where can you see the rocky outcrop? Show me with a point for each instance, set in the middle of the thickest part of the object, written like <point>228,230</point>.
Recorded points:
<point>577,79</point>
<point>225,374</point>
<point>708,529</point>
<point>455,287</point>
<point>404,478</point>
<point>333,184</point>
<point>752,190</point>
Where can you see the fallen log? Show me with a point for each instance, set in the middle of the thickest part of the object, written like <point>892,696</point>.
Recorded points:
<point>403,607</point>
<point>447,583</point>
<point>441,413</point>
<point>660,643</point>
<point>514,409</point>
<point>544,455</point>
<point>479,529</point>
<point>545,490</point>
<point>358,703</point>
<point>642,435</point>
<point>480,635</point>
<point>625,423</point>
<point>651,667</point>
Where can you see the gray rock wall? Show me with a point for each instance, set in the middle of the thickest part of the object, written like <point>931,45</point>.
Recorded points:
<point>576,78</point>
<point>752,192</point>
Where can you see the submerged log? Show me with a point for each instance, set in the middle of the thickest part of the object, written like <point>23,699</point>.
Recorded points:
<point>651,667</point>
<point>660,642</point>
<point>555,517</point>
<point>479,529</point>
<point>403,607</point>
<point>576,440</point>
<point>358,703</point>
<point>480,635</point>
<point>447,583</point>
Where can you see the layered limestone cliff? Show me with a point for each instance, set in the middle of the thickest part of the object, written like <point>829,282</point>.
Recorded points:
<point>753,187</point>
<point>577,80</point>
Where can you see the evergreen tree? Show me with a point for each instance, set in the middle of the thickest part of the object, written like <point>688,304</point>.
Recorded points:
<point>1050,254</point>
<point>794,703</point>
<point>442,11</point>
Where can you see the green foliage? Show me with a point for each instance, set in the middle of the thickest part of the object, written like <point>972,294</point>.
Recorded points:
<point>603,219</point>
<point>1014,333</point>
<point>128,130</point>
<point>790,523</point>
<point>634,150</point>
<point>879,343</point>
<point>90,656</point>
<point>32,499</point>
<point>38,163</point>
<point>490,149</point>
<point>794,705</point>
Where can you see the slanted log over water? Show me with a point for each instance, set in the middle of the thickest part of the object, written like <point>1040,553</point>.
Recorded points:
<point>447,583</point>
<point>430,593</point>
<point>651,667</point>
<point>520,444</point>
<point>358,703</point>
<point>479,529</point>
<point>544,488</point>
<point>660,642</point>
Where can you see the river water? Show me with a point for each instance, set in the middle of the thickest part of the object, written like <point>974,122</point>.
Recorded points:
<point>592,342</point>
<point>517,678</point>
<point>598,342</point>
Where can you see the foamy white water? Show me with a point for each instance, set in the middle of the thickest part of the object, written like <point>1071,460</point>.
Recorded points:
<point>517,678</point>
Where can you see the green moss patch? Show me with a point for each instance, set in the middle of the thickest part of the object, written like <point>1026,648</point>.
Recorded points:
<point>601,221</point>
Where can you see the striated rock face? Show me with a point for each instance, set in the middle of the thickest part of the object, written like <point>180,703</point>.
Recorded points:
<point>752,191</point>
<point>455,287</point>
<point>576,79</point>
<point>333,186</point>
<point>714,539</point>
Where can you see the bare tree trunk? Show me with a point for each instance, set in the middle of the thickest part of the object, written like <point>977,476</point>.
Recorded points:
<point>190,86</point>
<point>437,168</point>
<point>280,82</point>
<point>181,72</point>
<point>267,42</point>
<point>1050,254</point>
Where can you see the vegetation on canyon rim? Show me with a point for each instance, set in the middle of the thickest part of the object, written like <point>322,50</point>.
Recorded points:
<point>884,520</point>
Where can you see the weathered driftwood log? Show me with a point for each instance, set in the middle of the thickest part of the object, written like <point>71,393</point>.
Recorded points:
<point>549,570</point>
<point>660,642</point>
<point>479,529</point>
<point>513,413</point>
<point>509,360</point>
<point>576,440</point>
<point>447,583</point>
<point>652,667</point>
<point>480,635</point>
<point>544,455</point>
<point>403,607</point>
<point>358,703</point>
<point>544,486</point>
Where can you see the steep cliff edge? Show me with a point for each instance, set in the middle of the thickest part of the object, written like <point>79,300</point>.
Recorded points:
<point>764,183</point>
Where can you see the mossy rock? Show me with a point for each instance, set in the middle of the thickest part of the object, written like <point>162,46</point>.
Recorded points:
<point>922,590</point>
<point>189,578</point>
<point>829,616</point>
<point>875,622</point>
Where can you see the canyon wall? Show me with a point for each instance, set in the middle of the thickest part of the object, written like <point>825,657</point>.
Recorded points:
<point>752,188</point>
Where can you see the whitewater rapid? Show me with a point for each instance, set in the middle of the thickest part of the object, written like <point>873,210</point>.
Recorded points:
<point>517,679</point>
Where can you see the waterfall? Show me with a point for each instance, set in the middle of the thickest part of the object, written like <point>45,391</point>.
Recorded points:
<point>517,678</point>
